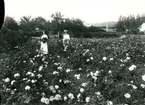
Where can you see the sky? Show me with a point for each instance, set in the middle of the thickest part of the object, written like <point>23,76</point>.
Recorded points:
<point>90,11</point>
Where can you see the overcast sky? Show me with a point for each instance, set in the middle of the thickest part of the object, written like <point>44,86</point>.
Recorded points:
<point>90,11</point>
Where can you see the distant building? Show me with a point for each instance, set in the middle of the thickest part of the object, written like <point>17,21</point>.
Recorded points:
<point>108,29</point>
<point>142,28</point>
<point>87,24</point>
<point>111,30</point>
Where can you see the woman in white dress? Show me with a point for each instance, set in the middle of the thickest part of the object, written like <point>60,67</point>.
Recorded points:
<point>44,45</point>
<point>66,39</point>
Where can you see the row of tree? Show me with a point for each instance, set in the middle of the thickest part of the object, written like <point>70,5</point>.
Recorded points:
<point>130,23</point>
<point>14,32</point>
<point>58,23</point>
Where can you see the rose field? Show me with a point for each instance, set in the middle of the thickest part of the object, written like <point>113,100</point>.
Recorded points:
<point>91,72</point>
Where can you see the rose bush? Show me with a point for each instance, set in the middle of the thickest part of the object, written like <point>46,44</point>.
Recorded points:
<point>91,72</point>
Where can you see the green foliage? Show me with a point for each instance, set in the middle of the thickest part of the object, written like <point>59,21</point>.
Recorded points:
<point>11,35</point>
<point>130,23</point>
<point>15,33</point>
<point>95,35</point>
<point>98,70</point>
<point>94,29</point>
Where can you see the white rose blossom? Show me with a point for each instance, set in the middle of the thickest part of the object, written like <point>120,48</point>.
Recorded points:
<point>143,77</point>
<point>87,99</point>
<point>134,87</point>
<point>96,73</point>
<point>55,72</point>
<point>111,59</point>
<point>131,82</point>
<point>98,93</point>
<point>66,81</point>
<point>88,60</point>
<point>56,87</point>
<point>51,98</point>
<point>80,69</point>
<point>71,96</point>
<point>39,75</point>
<point>55,64</point>
<point>109,71</point>
<point>78,96</point>
<point>65,98</point>
<point>68,70</point>
<point>132,67</point>
<point>40,68</point>
<point>12,82</point>
<point>82,90</point>
<point>33,81</point>
<point>32,74</point>
<point>7,80</point>
<point>77,76</point>
<point>127,95</point>
<point>47,101</point>
<point>28,73</point>
<point>43,94</point>
<point>15,89</point>
<point>16,75</point>
<point>27,88</point>
<point>8,89</point>
<point>104,58</point>
<point>58,97</point>
<point>12,92</point>
<point>94,77</point>
<point>91,73</point>
<point>109,103</point>
<point>142,85</point>
<point>52,89</point>
<point>31,60</point>
<point>60,80</point>
<point>59,68</point>
<point>91,58</point>
<point>84,84</point>
<point>128,58</point>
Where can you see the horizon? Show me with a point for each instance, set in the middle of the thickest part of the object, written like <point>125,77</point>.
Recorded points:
<point>89,11</point>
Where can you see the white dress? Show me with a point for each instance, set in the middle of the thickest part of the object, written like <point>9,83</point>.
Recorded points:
<point>66,37</point>
<point>44,46</point>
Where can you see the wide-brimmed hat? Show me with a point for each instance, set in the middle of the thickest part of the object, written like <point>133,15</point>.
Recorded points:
<point>65,31</point>
<point>44,37</point>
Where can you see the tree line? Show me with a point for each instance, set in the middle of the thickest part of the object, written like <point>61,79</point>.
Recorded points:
<point>15,33</point>
<point>130,24</point>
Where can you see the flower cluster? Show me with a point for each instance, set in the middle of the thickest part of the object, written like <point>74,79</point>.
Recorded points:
<point>91,72</point>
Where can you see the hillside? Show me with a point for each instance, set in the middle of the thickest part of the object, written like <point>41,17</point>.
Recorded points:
<point>110,24</point>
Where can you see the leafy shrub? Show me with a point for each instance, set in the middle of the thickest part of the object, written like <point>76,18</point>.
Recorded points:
<point>95,35</point>
<point>98,72</point>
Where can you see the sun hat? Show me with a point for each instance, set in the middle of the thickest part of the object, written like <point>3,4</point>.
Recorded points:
<point>65,31</point>
<point>44,36</point>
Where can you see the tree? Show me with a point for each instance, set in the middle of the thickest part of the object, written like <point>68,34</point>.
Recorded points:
<point>57,20</point>
<point>25,23</point>
<point>130,23</point>
<point>10,34</point>
<point>32,26</point>
<point>48,27</point>
<point>74,25</point>
<point>120,27</point>
<point>138,20</point>
<point>9,25</point>
<point>38,22</point>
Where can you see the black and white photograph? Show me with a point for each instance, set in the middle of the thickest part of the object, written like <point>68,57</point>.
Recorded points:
<point>72,52</point>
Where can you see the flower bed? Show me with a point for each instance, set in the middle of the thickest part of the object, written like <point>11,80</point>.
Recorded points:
<point>103,72</point>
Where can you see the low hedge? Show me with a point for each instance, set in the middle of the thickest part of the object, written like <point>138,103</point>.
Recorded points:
<point>95,34</point>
